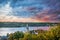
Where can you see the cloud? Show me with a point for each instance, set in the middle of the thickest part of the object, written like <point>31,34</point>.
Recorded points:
<point>38,10</point>
<point>16,19</point>
<point>5,10</point>
<point>48,15</point>
<point>54,4</point>
<point>20,11</point>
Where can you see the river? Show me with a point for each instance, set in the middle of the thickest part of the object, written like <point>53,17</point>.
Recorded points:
<point>4,31</point>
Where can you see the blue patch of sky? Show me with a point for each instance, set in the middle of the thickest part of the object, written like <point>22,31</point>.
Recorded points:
<point>2,3</point>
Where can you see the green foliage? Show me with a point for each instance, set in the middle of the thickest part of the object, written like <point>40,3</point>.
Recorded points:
<point>16,36</point>
<point>10,37</point>
<point>52,34</point>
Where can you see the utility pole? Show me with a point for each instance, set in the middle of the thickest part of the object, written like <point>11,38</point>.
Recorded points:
<point>27,27</point>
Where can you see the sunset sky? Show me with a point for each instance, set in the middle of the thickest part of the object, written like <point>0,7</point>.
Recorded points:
<point>29,10</point>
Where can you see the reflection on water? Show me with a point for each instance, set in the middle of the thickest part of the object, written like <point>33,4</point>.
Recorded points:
<point>4,31</point>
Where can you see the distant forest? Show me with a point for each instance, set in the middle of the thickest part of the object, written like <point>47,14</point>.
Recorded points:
<point>21,24</point>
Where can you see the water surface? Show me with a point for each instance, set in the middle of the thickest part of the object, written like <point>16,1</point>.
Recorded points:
<point>4,31</point>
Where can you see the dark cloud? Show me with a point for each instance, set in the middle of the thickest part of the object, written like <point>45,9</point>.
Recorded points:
<point>54,4</point>
<point>48,15</point>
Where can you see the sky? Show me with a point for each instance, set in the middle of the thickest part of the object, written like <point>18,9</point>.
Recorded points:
<point>29,10</point>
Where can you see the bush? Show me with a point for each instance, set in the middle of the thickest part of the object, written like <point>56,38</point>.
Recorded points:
<point>51,34</point>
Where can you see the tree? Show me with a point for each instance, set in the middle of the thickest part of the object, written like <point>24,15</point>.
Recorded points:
<point>18,35</point>
<point>53,33</point>
<point>10,37</point>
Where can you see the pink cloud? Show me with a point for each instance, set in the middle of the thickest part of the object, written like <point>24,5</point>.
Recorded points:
<point>48,15</point>
<point>17,19</point>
